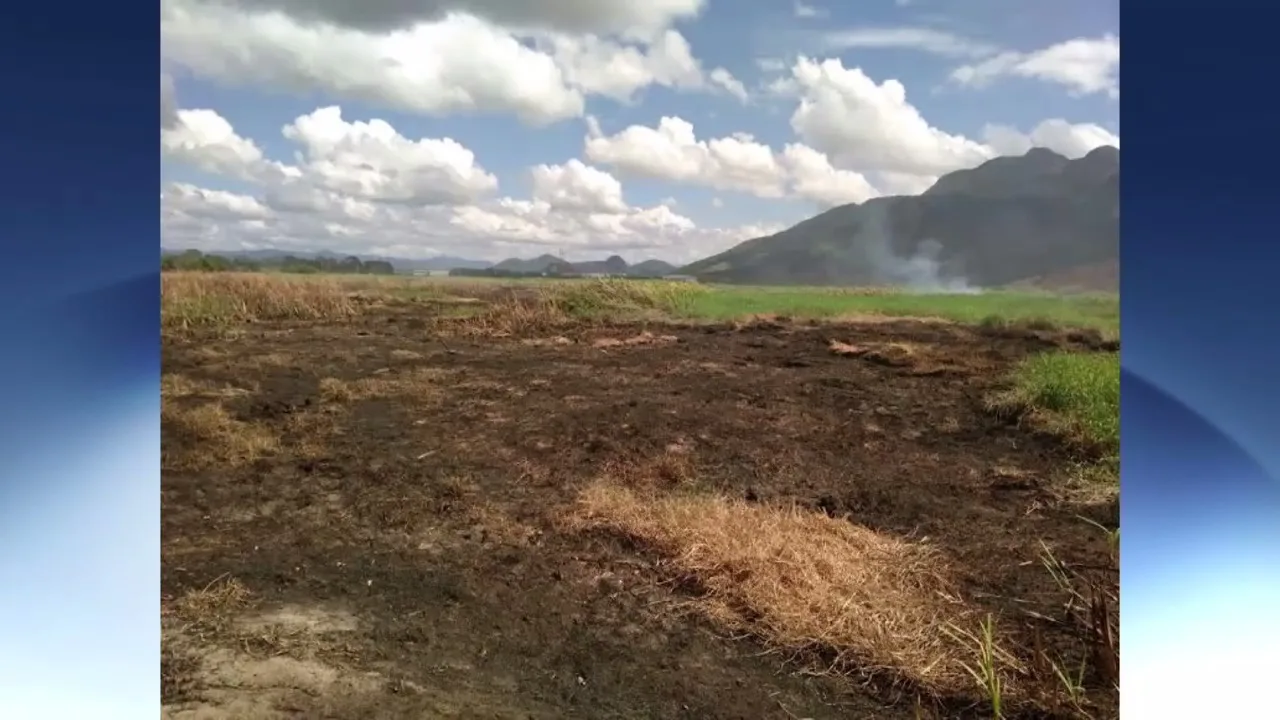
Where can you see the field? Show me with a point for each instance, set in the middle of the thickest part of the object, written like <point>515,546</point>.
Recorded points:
<point>392,498</point>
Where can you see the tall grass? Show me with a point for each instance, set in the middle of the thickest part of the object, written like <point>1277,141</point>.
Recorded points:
<point>193,300</point>
<point>561,303</point>
<point>1076,393</point>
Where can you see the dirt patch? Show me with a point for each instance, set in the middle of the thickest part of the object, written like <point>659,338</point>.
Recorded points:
<point>411,506</point>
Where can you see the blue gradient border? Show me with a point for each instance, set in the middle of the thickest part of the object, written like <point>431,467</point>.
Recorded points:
<point>79,363</point>
<point>1200,393</point>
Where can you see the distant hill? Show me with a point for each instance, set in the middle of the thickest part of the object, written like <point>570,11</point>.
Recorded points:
<point>613,265</point>
<point>403,265</point>
<point>1008,220</point>
<point>540,264</point>
<point>651,268</point>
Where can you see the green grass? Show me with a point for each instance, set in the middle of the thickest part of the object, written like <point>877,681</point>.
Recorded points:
<point>1089,311</point>
<point>1078,393</point>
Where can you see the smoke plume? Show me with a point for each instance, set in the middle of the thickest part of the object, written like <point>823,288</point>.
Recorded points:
<point>921,272</point>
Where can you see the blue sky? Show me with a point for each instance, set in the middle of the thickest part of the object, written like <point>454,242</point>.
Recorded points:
<point>782,109</point>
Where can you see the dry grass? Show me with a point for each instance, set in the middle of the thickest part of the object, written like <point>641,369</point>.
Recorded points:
<point>207,436</point>
<point>213,603</point>
<point>422,383</point>
<point>557,304</point>
<point>174,385</point>
<point>190,300</point>
<point>802,581</point>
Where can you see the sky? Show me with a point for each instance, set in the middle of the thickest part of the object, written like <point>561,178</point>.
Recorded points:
<point>669,129</point>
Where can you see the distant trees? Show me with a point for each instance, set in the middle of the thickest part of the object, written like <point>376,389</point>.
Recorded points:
<point>194,260</point>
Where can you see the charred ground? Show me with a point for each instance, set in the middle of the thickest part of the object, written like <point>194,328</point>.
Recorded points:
<point>383,516</point>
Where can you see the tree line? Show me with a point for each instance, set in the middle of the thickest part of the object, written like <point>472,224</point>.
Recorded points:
<point>194,260</point>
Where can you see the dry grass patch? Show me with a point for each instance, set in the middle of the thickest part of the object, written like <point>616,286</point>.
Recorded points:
<point>420,382</point>
<point>206,436</point>
<point>191,300</point>
<point>870,603</point>
<point>644,338</point>
<point>212,606</point>
<point>175,385</point>
<point>558,304</point>
<point>892,353</point>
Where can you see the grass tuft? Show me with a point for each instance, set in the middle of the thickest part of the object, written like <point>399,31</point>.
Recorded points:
<point>1075,394</point>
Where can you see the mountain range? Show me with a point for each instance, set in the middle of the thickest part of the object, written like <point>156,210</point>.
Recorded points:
<point>1038,219</point>
<point>1009,220</point>
<point>613,265</point>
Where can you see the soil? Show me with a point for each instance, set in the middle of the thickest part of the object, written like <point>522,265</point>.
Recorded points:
<point>402,554</point>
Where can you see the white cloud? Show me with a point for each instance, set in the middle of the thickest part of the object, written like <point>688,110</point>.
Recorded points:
<point>725,79</point>
<point>1085,66</point>
<point>813,177</point>
<point>436,62</point>
<point>572,16</point>
<point>860,140</point>
<point>371,161</point>
<point>805,11</point>
<point>927,40</point>
<point>614,69</point>
<point>672,151</point>
<point>456,64</point>
<point>1060,136</point>
<point>360,186</point>
<point>872,127</point>
<point>219,204</point>
<point>205,140</point>
<point>575,186</point>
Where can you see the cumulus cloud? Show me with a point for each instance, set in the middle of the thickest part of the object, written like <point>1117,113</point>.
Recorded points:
<point>572,16</point>
<point>371,161</point>
<point>459,63</point>
<point>361,186</point>
<point>1085,66</point>
<point>846,114</point>
<point>575,186</point>
<point>860,139</point>
<point>872,128</point>
<point>617,69</point>
<point>671,151</point>
<point>205,140</point>
<point>440,58</point>
<point>1060,136</point>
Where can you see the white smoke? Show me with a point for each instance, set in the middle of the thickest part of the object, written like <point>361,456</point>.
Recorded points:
<point>922,272</point>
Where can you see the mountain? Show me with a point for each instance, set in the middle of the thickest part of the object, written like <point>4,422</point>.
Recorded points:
<point>613,265</point>
<point>1008,220</point>
<point>402,265</point>
<point>651,268</point>
<point>540,264</point>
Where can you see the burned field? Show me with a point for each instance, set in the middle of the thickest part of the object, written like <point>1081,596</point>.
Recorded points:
<point>399,515</point>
